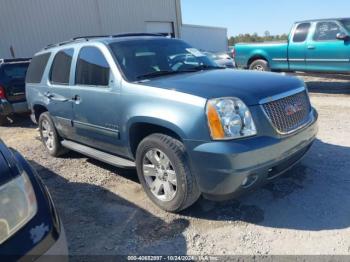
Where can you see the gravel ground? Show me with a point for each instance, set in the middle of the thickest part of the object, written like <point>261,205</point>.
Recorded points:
<point>305,212</point>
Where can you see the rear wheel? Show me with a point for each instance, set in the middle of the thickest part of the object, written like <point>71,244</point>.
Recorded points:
<point>49,136</point>
<point>163,170</point>
<point>260,65</point>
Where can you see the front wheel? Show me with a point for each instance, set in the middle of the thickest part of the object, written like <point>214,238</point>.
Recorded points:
<point>260,65</point>
<point>163,170</point>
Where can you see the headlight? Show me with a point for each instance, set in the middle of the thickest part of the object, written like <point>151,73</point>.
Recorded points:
<point>17,205</point>
<point>229,118</point>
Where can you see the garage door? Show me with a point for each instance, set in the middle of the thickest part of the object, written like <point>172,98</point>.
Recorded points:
<point>164,28</point>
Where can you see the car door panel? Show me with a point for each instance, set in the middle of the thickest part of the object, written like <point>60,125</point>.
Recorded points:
<point>96,105</point>
<point>325,52</point>
<point>59,93</point>
<point>297,47</point>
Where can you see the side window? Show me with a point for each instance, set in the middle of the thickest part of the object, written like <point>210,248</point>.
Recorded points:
<point>326,31</point>
<point>92,68</point>
<point>301,33</point>
<point>60,69</point>
<point>36,68</point>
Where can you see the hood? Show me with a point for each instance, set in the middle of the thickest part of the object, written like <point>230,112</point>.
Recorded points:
<point>249,86</point>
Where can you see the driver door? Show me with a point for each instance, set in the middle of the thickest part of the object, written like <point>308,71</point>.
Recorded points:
<point>325,52</point>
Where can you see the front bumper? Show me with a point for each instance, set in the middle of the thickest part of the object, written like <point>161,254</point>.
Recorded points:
<point>58,252</point>
<point>222,167</point>
<point>7,108</point>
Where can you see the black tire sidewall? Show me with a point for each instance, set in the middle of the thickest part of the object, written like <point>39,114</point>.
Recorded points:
<point>261,62</point>
<point>56,144</point>
<point>153,142</point>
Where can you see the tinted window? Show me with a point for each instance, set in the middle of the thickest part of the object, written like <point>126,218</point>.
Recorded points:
<point>36,68</point>
<point>326,31</point>
<point>92,68</point>
<point>17,71</point>
<point>60,69</point>
<point>301,33</point>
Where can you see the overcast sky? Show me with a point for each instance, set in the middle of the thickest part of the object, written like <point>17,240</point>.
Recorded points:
<point>250,16</point>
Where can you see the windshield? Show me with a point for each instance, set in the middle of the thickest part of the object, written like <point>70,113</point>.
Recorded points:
<point>143,59</point>
<point>17,71</point>
<point>346,24</point>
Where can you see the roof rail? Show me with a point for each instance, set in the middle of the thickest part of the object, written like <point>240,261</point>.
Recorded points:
<point>14,60</point>
<point>87,38</point>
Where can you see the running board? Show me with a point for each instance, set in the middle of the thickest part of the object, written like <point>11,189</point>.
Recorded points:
<point>99,155</point>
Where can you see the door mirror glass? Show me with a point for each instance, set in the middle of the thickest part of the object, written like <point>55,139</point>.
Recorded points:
<point>343,36</point>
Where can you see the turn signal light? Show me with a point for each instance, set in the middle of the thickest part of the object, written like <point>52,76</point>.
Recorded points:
<point>216,129</point>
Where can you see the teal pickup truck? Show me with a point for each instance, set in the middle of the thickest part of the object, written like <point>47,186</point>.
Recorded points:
<point>314,45</point>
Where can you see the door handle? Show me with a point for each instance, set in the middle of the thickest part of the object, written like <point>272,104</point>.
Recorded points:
<point>48,95</point>
<point>311,47</point>
<point>51,96</point>
<point>76,99</point>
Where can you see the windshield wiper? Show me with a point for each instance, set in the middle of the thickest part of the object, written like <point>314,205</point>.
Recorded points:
<point>208,67</point>
<point>172,72</point>
<point>163,73</point>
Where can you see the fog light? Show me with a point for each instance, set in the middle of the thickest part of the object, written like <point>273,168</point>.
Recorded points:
<point>249,181</point>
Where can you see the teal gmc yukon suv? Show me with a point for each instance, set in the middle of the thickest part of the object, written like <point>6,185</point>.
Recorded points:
<point>188,126</point>
<point>314,45</point>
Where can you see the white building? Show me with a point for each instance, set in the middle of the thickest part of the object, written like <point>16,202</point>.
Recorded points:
<point>206,38</point>
<point>28,26</point>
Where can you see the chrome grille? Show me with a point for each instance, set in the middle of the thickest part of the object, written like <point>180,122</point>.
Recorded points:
<point>290,113</point>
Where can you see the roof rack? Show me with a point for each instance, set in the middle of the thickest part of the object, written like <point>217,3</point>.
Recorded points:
<point>87,38</point>
<point>14,60</point>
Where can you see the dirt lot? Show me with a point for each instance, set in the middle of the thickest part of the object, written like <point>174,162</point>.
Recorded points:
<point>307,211</point>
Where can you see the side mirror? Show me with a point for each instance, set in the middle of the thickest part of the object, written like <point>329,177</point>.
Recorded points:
<point>343,36</point>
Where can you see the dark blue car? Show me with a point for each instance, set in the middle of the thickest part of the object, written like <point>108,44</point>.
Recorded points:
<point>29,224</point>
<point>189,126</point>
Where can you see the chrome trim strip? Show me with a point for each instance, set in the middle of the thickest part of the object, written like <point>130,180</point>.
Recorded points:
<point>328,60</point>
<point>96,127</point>
<point>280,59</point>
<point>281,95</point>
<point>297,59</point>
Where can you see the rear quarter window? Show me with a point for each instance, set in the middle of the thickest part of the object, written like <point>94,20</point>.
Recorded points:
<point>36,68</point>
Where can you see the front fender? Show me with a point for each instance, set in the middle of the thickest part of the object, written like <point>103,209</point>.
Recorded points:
<point>158,122</point>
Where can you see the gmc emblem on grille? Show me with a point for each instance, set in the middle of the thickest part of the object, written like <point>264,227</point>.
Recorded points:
<point>291,109</point>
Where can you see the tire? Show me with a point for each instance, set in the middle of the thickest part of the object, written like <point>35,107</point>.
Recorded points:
<point>260,65</point>
<point>49,136</point>
<point>3,120</point>
<point>186,189</point>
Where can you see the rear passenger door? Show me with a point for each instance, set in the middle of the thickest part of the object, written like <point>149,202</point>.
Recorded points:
<point>59,93</point>
<point>96,100</point>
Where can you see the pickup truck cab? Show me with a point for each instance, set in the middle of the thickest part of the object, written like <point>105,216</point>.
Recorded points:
<point>158,104</point>
<point>315,45</point>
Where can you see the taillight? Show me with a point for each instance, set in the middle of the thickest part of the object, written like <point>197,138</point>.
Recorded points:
<point>2,92</point>
<point>233,53</point>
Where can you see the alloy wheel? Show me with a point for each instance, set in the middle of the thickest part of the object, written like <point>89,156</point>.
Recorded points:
<point>160,175</point>
<point>47,134</point>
